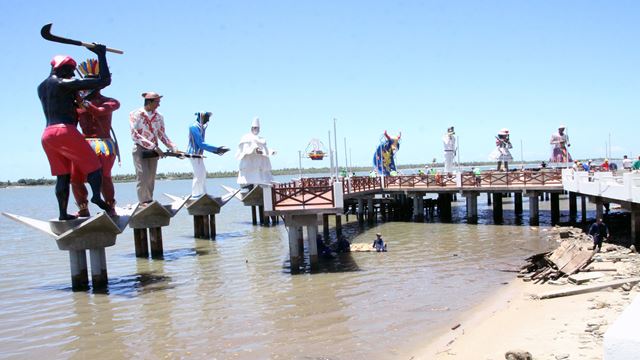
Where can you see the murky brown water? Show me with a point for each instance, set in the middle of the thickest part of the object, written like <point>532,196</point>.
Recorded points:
<point>233,298</point>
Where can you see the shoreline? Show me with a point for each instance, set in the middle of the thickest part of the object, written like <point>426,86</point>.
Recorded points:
<point>569,327</point>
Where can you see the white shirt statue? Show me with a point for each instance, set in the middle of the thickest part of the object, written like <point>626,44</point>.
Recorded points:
<point>255,166</point>
<point>449,142</point>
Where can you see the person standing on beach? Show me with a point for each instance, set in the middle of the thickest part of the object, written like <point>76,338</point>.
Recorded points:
<point>197,146</point>
<point>94,115</point>
<point>501,152</point>
<point>255,166</point>
<point>65,147</point>
<point>598,231</point>
<point>560,142</point>
<point>449,142</point>
<point>147,127</point>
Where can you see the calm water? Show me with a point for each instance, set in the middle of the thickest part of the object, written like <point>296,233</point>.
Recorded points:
<point>233,298</point>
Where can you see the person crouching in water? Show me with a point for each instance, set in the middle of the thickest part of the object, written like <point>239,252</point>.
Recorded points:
<point>62,142</point>
<point>379,244</point>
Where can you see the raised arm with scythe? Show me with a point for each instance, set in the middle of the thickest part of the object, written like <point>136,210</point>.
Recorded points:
<point>47,35</point>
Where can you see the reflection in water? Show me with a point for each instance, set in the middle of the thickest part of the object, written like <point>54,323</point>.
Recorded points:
<point>230,298</point>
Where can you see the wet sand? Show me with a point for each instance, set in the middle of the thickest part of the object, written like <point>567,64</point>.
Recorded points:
<point>570,327</point>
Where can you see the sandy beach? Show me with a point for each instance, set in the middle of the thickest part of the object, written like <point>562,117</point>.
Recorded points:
<point>568,327</point>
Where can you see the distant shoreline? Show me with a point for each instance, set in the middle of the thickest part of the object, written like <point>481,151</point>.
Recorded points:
<point>230,174</point>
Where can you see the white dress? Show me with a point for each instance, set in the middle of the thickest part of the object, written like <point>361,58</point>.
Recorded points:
<point>449,143</point>
<point>255,166</point>
<point>501,152</point>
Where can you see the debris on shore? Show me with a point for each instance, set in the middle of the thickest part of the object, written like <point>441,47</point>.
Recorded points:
<point>575,262</point>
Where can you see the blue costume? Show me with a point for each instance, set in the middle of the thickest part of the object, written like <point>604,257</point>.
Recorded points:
<point>197,146</point>
<point>384,157</point>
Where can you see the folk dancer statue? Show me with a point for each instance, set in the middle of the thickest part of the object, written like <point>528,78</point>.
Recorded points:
<point>384,157</point>
<point>147,127</point>
<point>62,142</point>
<point>449,142</point>
<point>197,146</point>
<point>253,154</point>
<point>560,143</point>
<point>501,153</point>
<point>94,115</point>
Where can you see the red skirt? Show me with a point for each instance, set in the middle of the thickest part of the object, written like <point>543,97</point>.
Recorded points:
<point>64,146</point>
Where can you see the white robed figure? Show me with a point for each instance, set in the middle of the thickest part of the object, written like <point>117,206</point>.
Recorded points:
<point>449,142</point>
<point>255,166</point>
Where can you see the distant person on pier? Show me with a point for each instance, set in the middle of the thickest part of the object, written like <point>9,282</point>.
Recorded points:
<point>605,165</point>
<point>598,231</point>
<point>627,163</point>
<point>560,143</point>
<point>65,147</point>
<point>501,154</point>
<point>477,174</point>
<point>197,146</point>
<point>255,165</point>
<point>147,127</point>
<point>449,143</point>
<point>379,244</point>
<point>636,164</point>
<point>94,115</point>
<point>586,166</point>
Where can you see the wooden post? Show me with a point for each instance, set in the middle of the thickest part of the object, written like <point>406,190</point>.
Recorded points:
<point>254,220</point>
<point>197,228</point>
<point>583,208</point>
<point>497,207</point>
<point>325,228</point>
<point>444,205</point>
<point>472,207</point>
<point>635,225</point>
<point>300,233</point>
<point>274,220</point>
<point>360,211</point>
<point>312,233</point>
<point>155,237</point>
<point>338,226</point>
<point>294,249</point>
<point>140,243</point>
<point>573,206</point>
<point>534,215</point>
<point>99,278</point>
<point>517,203</point>
<point>555,208</point>
<point>212,226</point>
<point>261,214</point>
<point>371,217</point>
<point>205,227</point>
<point>488,198</point>
<point>79,275</point>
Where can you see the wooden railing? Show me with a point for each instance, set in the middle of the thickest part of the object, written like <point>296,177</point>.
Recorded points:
<point>425,180</point>
<point>357,184</point>
<point>291,194</point>
<point>513,178</point>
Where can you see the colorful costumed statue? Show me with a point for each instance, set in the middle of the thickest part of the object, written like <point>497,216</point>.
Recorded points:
<point>197,146</point>
<point>94,116</point>
<point>384,157</point>
<point>501,154</point>
<point>255,166</point>
<point>62,142</point>
<point>560,142</point>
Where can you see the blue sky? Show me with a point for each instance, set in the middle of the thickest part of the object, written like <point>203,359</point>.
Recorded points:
<point>414,67</point>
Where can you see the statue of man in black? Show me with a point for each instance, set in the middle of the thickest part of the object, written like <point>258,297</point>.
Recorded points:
<point>62,142</point>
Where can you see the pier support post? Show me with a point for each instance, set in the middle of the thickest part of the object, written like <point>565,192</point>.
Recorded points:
<point>325,228</point>
<point>140,243</point>
<point>98,260</point>
<point>472,207</point>
<point>295,253</point>
<point>573,206</point>
<point>555,208</point>
<point>635,225</point>
<point>205,227</point>
<point>444,204</point>
<point>497,208</point>
<point>517,203</point>
<point>360,211</point>
<point>254,219</point>
<point>599,207</point>
<point>212,226</point>
<point>488,198</point>
<point>79,274</point>
<point>371,215</point>
<point>534,213</point>
<point>338,226</point>
<point>155,239</point>
<point>418,207</point>
<point>312,233</point>
<point>197,226</point>
<point>583,208</point>
<point>261,214</point>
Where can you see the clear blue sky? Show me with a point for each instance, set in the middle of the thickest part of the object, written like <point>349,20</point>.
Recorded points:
<point>410,66</point>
